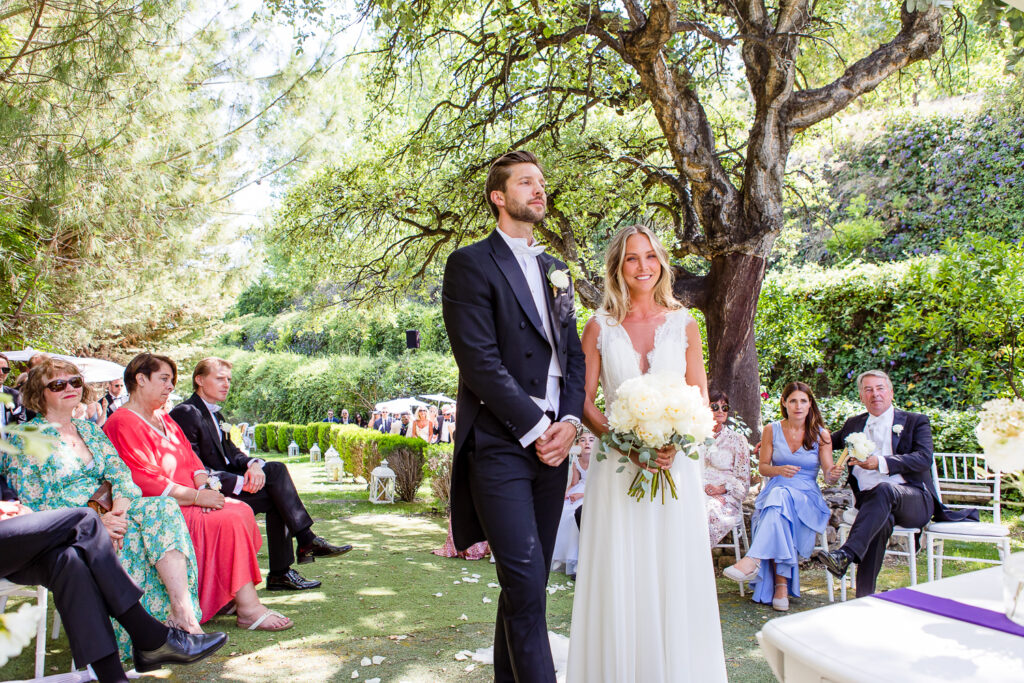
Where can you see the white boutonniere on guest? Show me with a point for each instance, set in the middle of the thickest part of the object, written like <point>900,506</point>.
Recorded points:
<point>213,482</point>
<point>897,429</point>
<point>559,279</point>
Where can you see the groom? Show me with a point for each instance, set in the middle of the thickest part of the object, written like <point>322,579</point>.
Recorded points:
<point>508,310</point>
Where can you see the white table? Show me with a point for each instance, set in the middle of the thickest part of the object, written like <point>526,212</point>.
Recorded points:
<point>875,640</point>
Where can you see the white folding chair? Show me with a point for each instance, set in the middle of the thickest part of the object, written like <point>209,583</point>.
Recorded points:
<point>823,546</point>
<point>739,540</point>
<point>966,476</point>
<point>7,590</point>
<point>901,533</point>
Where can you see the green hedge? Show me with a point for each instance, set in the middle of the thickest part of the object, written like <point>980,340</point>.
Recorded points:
<point>260,437</point>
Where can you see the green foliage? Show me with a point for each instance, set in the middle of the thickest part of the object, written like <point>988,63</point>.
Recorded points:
<point>285,434</point>
<point>263,298</point>
<point>852,236</point>
<point>947,328</point>
<point>324,436</point>
<point>260,437</point>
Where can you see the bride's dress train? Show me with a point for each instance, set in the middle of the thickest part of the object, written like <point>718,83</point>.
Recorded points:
<point>646,607</point>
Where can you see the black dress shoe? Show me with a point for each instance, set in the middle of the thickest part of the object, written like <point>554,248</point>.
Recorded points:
<point>320,548</point>
<point>836,562</point>
<point>291,580</point>
<point>181,648</point>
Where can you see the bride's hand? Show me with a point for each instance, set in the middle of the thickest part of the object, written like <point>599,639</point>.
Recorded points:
<point>666,456</point>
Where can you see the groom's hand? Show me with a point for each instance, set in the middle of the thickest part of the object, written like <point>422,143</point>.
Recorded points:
<point>553,445</point>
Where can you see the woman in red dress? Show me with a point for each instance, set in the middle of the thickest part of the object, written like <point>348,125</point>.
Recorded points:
<point>162,462</point>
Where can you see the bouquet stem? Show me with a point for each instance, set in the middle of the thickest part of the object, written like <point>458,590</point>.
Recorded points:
<point>660,480</point>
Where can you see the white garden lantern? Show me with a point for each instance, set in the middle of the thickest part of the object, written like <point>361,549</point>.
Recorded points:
<point>314,453</point>
<point>293,449</point>
<point>382,484</point>
<point>333,464</point>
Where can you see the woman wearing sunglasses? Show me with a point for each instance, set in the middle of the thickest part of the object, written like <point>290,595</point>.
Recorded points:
<point>149,534</point>
<point>726,472</point>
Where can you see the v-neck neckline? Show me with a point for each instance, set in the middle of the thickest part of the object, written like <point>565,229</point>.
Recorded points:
<point>162,435</point>
<point>637,355</point>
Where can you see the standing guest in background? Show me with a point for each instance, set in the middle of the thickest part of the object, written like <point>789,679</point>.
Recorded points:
<point>726,472</point>
<point>331,418</point>
<point>69,552</point>
<point>344,416</point>
<point>264,486</point>
<point>435,422</point>
<point>383,423</point>
<point>360,422</point>
<point>149,533</point>
<point>12,412</point>
<point>446,433</point>
<point>224,532</point>
<point>422,427</point>
<point>116,396</point>
<point>401,427</point>
<point>892,486</point>
<point>567,542</point>
<point>790,511</point>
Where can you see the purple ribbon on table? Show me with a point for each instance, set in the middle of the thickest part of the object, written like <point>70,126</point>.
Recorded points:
<point>952,609</point>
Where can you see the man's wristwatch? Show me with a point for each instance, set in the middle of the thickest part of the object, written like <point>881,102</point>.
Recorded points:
<point>575,423</point>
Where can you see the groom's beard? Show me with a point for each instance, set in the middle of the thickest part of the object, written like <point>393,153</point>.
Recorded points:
<point>524,212</point>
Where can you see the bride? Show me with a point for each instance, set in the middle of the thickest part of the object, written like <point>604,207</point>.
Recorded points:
<point>646,608</point>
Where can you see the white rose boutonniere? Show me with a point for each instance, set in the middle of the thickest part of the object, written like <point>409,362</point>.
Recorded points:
<point>897,429</point>
<point>559,279</point>
<point>213,482</point>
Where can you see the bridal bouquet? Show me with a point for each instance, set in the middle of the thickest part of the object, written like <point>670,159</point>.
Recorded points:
<point>1000,432</point>
<point>650,412</point>
<point>858,447</point>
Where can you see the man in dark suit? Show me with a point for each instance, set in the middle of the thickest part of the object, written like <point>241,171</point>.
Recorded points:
<point>116,396</point>
<point>264,486</point>
<point>69,552</point>
<point>893,486</point>
<point>383,423</point>
<point>11,411</point>
<point>521,374</point>
<point>331,418</point>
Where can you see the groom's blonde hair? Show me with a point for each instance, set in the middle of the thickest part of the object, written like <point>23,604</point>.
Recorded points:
<point>616,293</point>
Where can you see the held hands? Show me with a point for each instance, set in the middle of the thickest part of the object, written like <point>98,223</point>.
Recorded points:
<point>208,499</point>
<point>832,476</point>
<point>254,478</point>
<point>666,456</point>
<point>870,463</point>
<point>553,445</point>
<point>116,525</point>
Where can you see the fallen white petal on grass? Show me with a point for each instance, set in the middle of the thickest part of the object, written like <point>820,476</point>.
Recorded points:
<point>494,585</point>
<point>456,583</point>
<point>463,618</point>
<point>438,595</point>
<point>476,576</point>
<point>365,661</point>
<point>401,636</point>
<point>355,674</point>
<point>487,600</point>
<point>377,659</point>
<point>463,655</point>
<point>469,579</point>
<point>470,667</point>
<point>372,680</point>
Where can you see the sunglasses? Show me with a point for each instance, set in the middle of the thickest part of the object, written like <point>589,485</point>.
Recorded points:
<point>56,385</point>
<point>4,371</point>
<point>724,407</point>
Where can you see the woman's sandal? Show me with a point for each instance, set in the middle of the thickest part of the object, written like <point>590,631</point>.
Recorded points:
<point>258,624</point>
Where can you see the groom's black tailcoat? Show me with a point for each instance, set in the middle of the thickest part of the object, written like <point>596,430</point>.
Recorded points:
<point>501,491</point>
<point>911,504</point>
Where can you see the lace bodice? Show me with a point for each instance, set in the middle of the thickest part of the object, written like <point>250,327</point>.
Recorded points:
<point>621,361</point>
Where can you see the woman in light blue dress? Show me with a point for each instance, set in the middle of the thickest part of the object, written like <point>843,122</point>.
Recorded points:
<point>790,511</point>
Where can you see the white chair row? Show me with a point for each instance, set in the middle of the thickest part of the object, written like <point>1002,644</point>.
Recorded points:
<point>965,476</point>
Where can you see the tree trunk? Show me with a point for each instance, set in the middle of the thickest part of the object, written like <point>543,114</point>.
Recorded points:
<point>733,288</point>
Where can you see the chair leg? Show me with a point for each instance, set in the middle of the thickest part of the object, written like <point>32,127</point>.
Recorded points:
<point>738,553</point>
<point>41,595</point>
<point>941,546</point>
<point>929,556</point>
<point>912,559</point>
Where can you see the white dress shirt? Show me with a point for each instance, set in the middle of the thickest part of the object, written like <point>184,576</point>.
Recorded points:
<point>879,430</point>
<point>526,256</point>
<point>213,409</point>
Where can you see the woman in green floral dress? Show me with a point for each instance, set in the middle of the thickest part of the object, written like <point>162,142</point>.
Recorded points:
<point>149,533</point>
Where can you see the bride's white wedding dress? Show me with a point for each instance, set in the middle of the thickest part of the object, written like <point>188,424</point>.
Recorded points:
<point>646,607</point>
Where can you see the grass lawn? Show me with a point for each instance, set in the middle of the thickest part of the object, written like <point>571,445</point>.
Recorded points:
<point>382,599</point>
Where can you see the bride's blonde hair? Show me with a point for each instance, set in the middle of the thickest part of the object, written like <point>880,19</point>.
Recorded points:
<point>616,293</point>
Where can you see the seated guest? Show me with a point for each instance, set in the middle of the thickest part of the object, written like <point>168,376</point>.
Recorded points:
<point>10,412</point>
<point>892,486</point>
<point>116,396</point>
<point>726,472</point>
<point>264,486</point>
<point>330,417</point>
<point>223,531</point>
<point>69,552</point>
<point>790,511</point>
<point>422,427</point>
<point>567,541</point>
<point>149,533</point>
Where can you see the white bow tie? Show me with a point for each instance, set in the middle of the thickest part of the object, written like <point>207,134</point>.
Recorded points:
<point>521,248</point>
<point>214,408</point>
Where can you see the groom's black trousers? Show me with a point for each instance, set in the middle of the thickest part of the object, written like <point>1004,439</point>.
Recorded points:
<point>519,502</point>
<point>879,510</point>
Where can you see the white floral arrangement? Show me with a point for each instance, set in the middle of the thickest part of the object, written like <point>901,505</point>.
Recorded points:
<point>651,412</point>
<point>1000,432</point>
<point>17,630</point>
<point>858,447</point>
<point>213,482</point>
<point>559,279</point>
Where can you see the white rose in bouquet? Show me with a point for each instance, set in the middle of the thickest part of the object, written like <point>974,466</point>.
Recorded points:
<point>861,447</point>
<point>650,412</point>
<point>1000,432</point>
